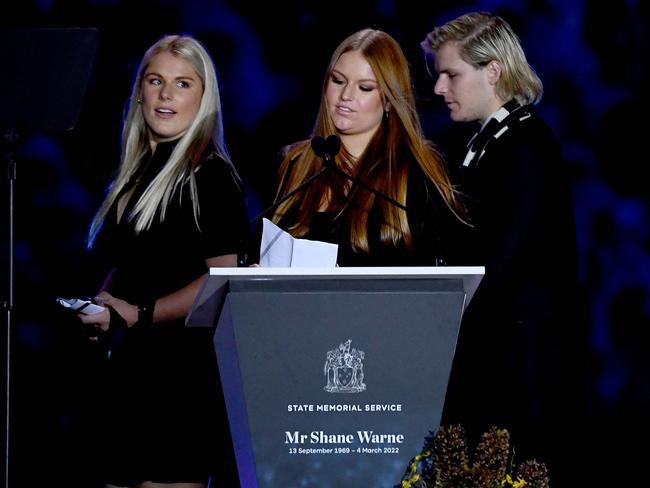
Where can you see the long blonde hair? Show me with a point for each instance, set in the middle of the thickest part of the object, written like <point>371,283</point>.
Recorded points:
<point>206,128</point>
<point>383,164</point>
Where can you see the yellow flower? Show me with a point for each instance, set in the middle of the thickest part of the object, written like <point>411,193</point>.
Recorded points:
<point>413,479</point>
<point>520,483</point>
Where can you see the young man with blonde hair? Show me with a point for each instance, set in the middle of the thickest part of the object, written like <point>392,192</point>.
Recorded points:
<point>511,367</point>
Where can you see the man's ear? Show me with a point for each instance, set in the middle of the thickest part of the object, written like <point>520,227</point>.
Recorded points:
<point>493,70</point>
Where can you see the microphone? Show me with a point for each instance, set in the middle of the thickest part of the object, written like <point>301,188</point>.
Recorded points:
<point>328,149</point>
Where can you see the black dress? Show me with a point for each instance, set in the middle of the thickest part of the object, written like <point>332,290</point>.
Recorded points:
<point>430,222</point>
<point>165,420</point>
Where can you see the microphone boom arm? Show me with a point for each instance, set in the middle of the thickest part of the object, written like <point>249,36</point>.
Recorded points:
<point>328,148</point>
<point>277,203</point>
<point>242,258</point>
<point>365,186</point>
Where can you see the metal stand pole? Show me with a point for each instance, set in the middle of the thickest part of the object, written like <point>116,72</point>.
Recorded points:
<point>9,303</point>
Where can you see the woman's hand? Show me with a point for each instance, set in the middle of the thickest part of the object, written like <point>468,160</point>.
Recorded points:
<point>100,322</point>
<point>96,323</point>
<point>127,311</point>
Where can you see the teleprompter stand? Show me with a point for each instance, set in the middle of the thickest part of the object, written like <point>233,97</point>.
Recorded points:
<point>45,73</point>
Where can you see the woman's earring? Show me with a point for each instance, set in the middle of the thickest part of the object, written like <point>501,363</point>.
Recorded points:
<point>386,114</point>
<point>139,100</point>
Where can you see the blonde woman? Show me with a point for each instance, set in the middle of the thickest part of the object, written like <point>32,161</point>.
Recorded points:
<point>174,209</point>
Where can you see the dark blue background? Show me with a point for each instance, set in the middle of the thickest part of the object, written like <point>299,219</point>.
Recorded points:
<point>593,59</point>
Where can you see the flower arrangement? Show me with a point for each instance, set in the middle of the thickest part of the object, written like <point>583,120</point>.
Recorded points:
<point>445,463</point>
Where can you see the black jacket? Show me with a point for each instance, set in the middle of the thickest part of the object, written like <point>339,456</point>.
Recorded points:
<point>513,357</point>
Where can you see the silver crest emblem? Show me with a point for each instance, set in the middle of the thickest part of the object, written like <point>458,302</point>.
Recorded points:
<point>344,369</point>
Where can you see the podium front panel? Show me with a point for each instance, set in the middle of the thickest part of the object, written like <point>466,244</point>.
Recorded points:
<point>334,383</point>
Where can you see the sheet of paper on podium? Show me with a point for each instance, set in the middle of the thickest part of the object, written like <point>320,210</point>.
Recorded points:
<point>280,249</point>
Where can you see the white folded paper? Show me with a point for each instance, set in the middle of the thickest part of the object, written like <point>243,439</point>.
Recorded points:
<point>279,249</point>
